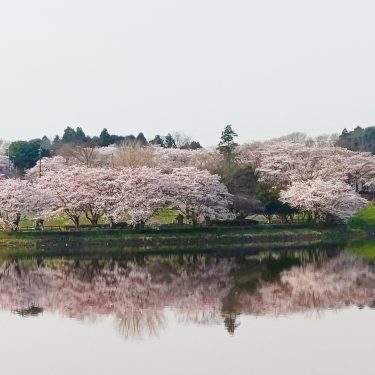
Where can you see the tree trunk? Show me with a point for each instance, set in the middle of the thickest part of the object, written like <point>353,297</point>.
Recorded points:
<point>75,220</point>
<point>93,220</point>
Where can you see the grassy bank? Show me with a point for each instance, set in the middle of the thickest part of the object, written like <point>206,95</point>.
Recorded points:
<point>175,239</point>
<point>364,219</point>
<point>363,248</point>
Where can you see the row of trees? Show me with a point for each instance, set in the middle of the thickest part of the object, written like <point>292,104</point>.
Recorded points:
<point>25,154</point>
<point>78,137</point>
<point>359,139</point>
<point>322,140</point>
<point>323,183</point>
<point>114,195</point>
<point>275,178</point>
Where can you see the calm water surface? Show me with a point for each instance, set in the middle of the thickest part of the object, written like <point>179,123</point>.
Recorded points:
<point>301,312</point>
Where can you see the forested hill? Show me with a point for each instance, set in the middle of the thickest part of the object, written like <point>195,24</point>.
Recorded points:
<point>359,139</point>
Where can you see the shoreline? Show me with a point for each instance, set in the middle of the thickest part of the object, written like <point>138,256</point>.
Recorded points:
<point>221,240</point>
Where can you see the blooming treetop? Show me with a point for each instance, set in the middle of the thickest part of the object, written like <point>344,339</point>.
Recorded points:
<point>323,199</point>
<point>132,194</point>
<point>200,195</point>
<point>283,162</point>
<point>159,177</point>
<point>202,158</point>
<point>313,179</point>
<point>18,198</point>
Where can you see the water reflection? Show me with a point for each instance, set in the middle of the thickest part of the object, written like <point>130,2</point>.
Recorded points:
<point>199,289</point>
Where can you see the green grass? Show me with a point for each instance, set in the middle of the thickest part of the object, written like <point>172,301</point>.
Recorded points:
<point>164,217</point>
<point>172,239</point>
<point>363,248</point>
<point>161,217</point>
<point>56,222</point>
<point>364,218</point>
<point>161,236</point>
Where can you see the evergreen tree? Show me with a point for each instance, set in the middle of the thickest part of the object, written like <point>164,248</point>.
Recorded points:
<point>80,136</point>
<point>56,140</point>
<point>194,145</point>
<point>45,143</point>
<point>93,142</point>
<point>69,135</point>
<point>169,142</point>
<point>129,140</point>
<point>141,140</point>
<point>358,139</point>
<point>116,139</point>
<point>158,141</point>
<point>25,154</point>
<point>227,145</point>
<point>105,138</point>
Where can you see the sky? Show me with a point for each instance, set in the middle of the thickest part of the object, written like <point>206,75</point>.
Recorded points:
<point>267,67</point>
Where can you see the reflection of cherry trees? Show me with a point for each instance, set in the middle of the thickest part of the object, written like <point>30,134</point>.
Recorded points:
<point>334,284</point>
<point>137,325</point>
<point>135,295</point>
<point>199,299</point>
<point>200,290</point>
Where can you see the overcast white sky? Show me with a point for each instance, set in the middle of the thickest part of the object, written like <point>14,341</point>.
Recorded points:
<point>268,67</point>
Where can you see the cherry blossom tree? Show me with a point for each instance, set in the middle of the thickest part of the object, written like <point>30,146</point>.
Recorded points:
<point>18,199</point>
<point>139,193</point>
<point>200,195</point>
<point>144,190</point>
<point>64,192</point>
<point>131,194</point>
<point>54,164</point>
<point>323,199</point>
<point>281,162</point>
<point>360,168</point>
<point>203,158</point>
<point>79,155</point>
<point>318,180</point>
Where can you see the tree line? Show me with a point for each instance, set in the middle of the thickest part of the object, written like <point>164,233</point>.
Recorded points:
<point>359,139</point>
<point>285,178</point>
<point>25,154</point>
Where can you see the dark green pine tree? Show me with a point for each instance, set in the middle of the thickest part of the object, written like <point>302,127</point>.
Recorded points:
<point>141,140</point>
<point>56,140</point>
<point>69,135</point>
<point>227,145</point>
<point>169,141</point>
<point>158,141</point>
<point>80,136</point>
<point>105,138</point>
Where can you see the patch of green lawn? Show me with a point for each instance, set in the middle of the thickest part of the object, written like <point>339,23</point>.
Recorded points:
<point>364,218</point>
<point>363,248</point>
<point>161,217</point>
<point>164,217</point>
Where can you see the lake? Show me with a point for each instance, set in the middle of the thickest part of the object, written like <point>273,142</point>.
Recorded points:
<point>290,312</point>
